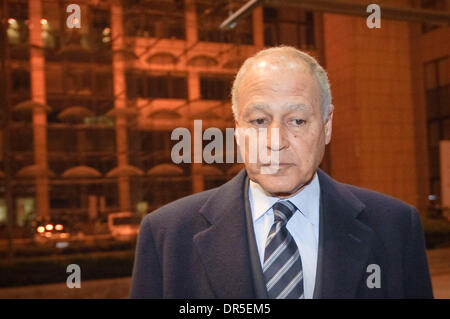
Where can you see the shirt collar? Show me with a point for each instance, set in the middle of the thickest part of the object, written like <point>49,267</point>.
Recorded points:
<point>307,200</point>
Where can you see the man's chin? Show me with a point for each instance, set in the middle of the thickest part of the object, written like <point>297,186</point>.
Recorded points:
<point>276,185</point>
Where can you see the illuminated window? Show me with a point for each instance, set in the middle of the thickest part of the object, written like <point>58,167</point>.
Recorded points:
<point>17,31</point>
<point>100,29</point>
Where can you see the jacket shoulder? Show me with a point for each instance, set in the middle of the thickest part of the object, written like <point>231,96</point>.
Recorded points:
<point>174,215</point>
<point>374,199</point>
<point>384,210</point>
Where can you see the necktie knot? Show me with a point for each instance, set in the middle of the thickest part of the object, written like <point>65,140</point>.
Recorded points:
<point>283,211</point>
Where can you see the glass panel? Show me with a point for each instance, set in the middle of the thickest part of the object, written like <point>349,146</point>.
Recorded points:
<point>435,186</point>
<point>22,139</point>
<point>160,19</point>
<point>432,100</point>
<point>289,26</point>
<point>53,77</point>
<point>132,80</point>
<point>103,83</point>
<point>17,31</point>
<point>61,140</point>
<point>100,140</point>
<point>158,86</point>
<point>100,29</point>
<point>430,75</point>
<point>310,37</point>
<point>444,70</point>
<point>212,15</point>
<point>25,211</point>
<point>3,212</point>
<point>20,81</point>
<point>215,88</point>
<point>288,34</point>
<point>444,100</point>
<point>179,87</point>
<point>446,129</point>
<point>434,162</point>
<point>433,134</point>
<point>270,34</point>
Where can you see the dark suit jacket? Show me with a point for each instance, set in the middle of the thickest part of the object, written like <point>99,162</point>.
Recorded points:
<point>203,246</point>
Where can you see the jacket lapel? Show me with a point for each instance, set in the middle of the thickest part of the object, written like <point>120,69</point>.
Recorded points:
<point>223,246</point>
<point>344,244</point>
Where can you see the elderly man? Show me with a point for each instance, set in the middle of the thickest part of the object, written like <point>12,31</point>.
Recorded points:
<point>288,232</point>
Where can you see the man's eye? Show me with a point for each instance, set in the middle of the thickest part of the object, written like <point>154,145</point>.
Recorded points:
<point>259,121</point>
<point>297,122</point>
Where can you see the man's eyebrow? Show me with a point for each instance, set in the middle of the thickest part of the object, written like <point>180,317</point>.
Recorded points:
<point>263,107</point>
<point>299,106</point>
<point>256,107</point>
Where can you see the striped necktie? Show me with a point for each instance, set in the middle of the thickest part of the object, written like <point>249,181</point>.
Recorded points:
<point>282,263</point>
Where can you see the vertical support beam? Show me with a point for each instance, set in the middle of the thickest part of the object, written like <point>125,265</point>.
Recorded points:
<point>5,131</point>
<point>420,116</point>
<point>120,102</point>
<point>258,27</point>
<point>38,94</point>
<point>194,94</point>
<point>190,15</point>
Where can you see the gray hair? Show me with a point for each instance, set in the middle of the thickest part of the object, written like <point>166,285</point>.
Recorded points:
<point>281,53</point>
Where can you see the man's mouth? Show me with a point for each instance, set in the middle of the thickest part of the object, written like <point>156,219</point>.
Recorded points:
<point>274,168</point>
<point>277,164</point>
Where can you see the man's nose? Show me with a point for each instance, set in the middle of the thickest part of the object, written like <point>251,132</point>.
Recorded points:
<point>276,137</point>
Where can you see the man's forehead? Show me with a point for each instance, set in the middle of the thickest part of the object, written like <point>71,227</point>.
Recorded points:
<point>269,72</point>
<point>284,82</point>
<point>276,63</point>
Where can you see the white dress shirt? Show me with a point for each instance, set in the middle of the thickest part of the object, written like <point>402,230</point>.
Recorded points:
<point>303,225</point>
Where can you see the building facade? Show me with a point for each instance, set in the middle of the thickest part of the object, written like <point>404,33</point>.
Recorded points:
<point>88,112</point>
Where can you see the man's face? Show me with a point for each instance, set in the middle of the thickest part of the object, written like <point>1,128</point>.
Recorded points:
<point>286,98</point>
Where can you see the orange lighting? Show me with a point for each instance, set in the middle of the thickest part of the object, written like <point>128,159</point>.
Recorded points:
<point>40,229</point>
<point>59,227</point>
<point>44,21</point>
<point>11,21</point>
<point>75,21</point>
<point>49,227</point>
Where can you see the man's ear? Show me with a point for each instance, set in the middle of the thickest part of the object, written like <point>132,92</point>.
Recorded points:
<point>329,125</point>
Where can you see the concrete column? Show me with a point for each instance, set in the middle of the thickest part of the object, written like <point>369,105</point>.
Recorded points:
<point>190,16</point>
<point>373,143</point>
<point>420,127</point>
<point>194,93</point>
<point>38,94</point>
<point>120,102</point>
<point>258,27</point>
